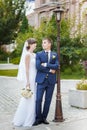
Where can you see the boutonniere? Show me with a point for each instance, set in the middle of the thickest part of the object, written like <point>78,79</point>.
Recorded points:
<point>53,57</point>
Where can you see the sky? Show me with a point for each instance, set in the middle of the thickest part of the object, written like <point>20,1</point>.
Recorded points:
<point>30,0</point>
<point>30,5</point>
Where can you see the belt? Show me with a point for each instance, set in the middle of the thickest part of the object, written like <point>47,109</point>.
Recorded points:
<point>46,76</point>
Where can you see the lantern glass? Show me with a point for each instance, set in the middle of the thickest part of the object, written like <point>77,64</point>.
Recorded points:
<point>58,16</point>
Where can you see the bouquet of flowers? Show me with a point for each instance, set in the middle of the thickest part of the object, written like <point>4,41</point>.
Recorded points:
<point>27,93</point>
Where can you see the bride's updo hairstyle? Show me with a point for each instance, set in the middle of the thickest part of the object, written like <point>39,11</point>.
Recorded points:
<point>30,41</point>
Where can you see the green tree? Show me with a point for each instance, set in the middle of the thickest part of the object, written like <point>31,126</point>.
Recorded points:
<point>46,29</point>
<point>70,48</point>
<point>11,12</point>
<point>22,37</point>
<point>24,26</point>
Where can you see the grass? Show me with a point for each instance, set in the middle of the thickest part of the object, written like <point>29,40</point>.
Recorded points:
<point>3,62</point>
<point>72,76</point>
<point>12,73</point>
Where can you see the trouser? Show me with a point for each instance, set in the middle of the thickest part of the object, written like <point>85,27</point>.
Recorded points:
<point>47,89</point>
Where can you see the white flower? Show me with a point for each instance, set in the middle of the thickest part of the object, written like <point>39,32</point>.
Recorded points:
<point>53,57</point>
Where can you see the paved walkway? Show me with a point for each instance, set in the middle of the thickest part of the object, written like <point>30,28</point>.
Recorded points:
<point>75,118</point>
<point>8,66</point>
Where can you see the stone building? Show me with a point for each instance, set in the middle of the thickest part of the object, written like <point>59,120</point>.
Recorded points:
<point>76,10</point>
<point>43,10</point>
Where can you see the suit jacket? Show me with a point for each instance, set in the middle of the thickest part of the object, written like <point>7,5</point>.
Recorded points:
<point>42,71</point>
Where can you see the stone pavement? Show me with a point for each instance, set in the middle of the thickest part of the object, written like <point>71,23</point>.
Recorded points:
<point>75,118</point>
<point>8,66</point>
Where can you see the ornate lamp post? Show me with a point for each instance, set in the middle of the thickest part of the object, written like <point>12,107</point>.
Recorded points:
<point>58,110</point>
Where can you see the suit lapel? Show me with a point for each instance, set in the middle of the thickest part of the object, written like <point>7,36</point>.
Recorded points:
<point>44,55</point>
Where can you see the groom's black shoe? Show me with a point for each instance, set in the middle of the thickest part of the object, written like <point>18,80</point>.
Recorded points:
<point>37,123</point>
<point>45,122</point>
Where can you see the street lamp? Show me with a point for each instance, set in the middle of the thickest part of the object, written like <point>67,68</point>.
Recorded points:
<point>58,110</point>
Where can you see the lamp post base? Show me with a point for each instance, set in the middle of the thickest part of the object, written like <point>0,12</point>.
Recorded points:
<point>58,111</point>
<point>59,120</point>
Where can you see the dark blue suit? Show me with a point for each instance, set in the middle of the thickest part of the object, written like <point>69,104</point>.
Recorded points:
<point>45,82</point>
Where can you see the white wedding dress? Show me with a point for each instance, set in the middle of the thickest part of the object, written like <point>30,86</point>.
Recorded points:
<point>25,114</point>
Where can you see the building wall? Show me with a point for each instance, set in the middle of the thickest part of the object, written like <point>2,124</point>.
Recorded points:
<point>76,10</point>
<point>78,14</point>
<point>31,19</point>
<point>83,8</point>
<point>43,10</point>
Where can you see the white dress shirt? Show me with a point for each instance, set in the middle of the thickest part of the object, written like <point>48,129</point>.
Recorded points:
<point>49,53</point>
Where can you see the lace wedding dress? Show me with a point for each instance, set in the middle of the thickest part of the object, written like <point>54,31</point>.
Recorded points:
<point>25,114</point>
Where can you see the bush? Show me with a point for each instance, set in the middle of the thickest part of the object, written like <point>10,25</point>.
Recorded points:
<point>68,71</point>
<point>82,85</point>
<point>3,55</point>
<point>77,67</point>
<point>15,60</point>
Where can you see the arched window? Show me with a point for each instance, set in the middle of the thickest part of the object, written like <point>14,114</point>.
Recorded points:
<point>54,0</point>
<point>43,1</point>
<point>73,1</point>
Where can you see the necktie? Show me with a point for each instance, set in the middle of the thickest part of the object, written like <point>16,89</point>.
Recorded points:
<point>47,56</point>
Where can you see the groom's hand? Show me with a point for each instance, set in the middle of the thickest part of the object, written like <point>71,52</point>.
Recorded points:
<point>28,86</point>
<point>52,71</point>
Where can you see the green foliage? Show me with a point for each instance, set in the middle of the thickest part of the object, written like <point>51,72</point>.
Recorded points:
<point>15,60</point>
<point>71,49</point>
<point>24,26</point>
<point>74,69</point>
<point>74,75</point>
<point>22,37</point>
<point>3,55</point>
<point>84,49</point>
<point>68,71</point>
<point>11,12</point>
<point>46,29</point>
<point>65,29</point>
<point>77,67</point>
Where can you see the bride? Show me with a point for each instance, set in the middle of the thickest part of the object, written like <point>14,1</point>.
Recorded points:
<point>25,114</point>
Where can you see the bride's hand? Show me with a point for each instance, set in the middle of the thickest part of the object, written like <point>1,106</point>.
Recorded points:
<point>28,86</point>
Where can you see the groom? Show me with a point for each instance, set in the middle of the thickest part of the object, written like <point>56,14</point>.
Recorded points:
<point>46,64</point>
